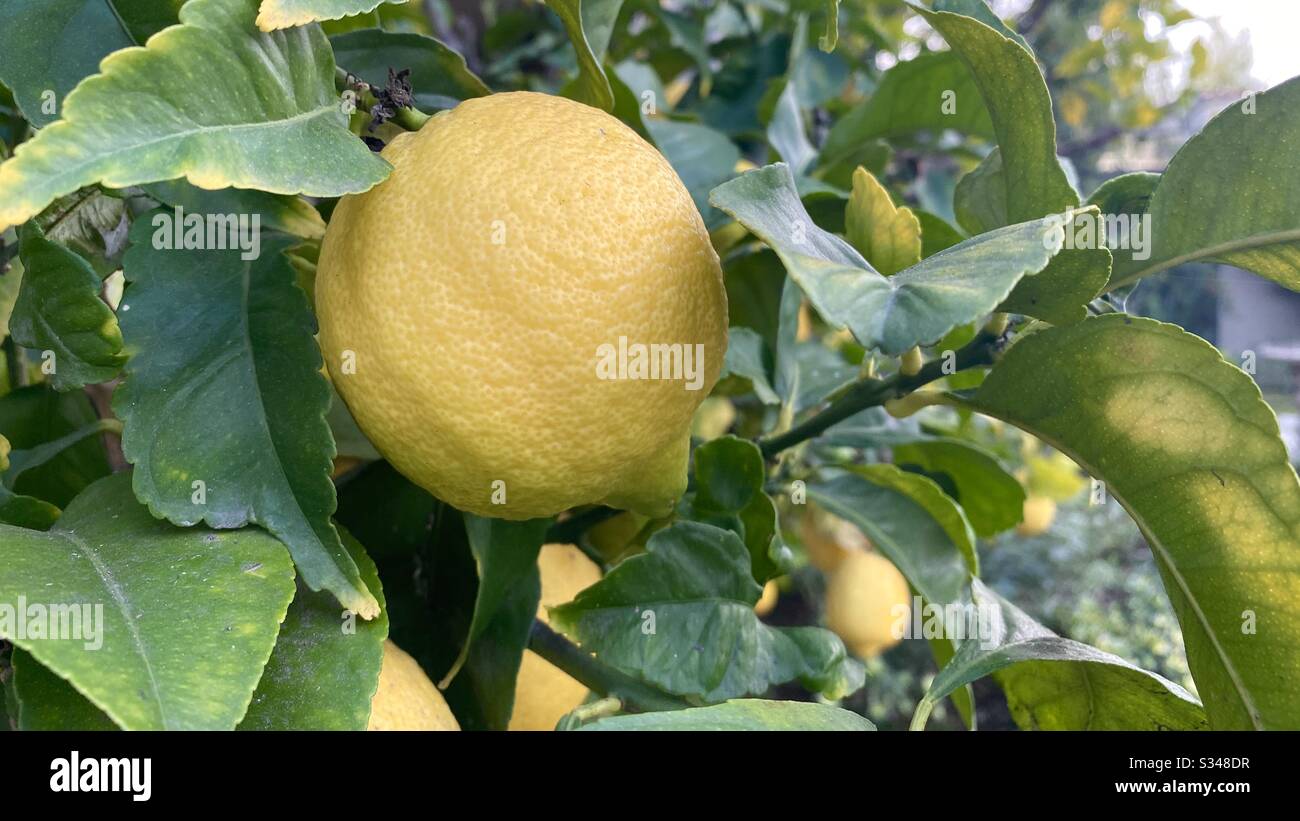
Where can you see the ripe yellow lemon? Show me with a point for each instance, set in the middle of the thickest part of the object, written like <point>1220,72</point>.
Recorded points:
<point>544,692</point>
<point>1040,511</point>
<point>524,316</point>
<point>406,699</point>
<point>862,595</point>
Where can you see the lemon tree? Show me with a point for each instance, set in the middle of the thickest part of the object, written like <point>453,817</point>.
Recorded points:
<point>618,366</point>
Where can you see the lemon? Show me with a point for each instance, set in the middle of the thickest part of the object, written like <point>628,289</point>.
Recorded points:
<point>544,692</point>
<point>1055,476</point>
<point>1040,511</point>
<point>828,539</point>
<point>713,418</point>
<point>862,597</point>
<point>406,699</point>
<point>484,311</point>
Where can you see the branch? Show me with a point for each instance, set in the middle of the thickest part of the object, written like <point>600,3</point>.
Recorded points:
<point>605,681</point>
<point>870,393</point>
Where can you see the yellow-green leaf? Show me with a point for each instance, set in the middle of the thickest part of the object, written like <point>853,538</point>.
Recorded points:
<point>887,235</point>
<point>1185,442</point>
<point>281,14</point>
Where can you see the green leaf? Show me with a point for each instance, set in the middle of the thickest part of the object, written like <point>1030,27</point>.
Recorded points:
<point>26,511</point>
<point>979,9</point>
<point>908,519</point>
<point>19,510</point>
<point>747,357</point>
<point>277,212</point>
<point>495,658</point>
<point>754,285</point>
<point>702,157</point>
<point>59,312</point>
<point>980,201</point>
<point>1125,194</point>
<point>282,14</point>
<point>51,45</point>
<point>385,511</point>
<point>430,586</point>
<point>785,375</point>
<point>887,236</point>
<point>1128,196</point>
<point>687,34</point>
<point>1057,684</point>
<point>47,702</point>
<point>145,18</point>
<point>729,475</point>
<point>37,414</point>
<point>936,235</point>
<point>324,670</point>
<point>786,132</point>
<point>820,371</point>
<point>505,554</point>
<point>213,100</point>
<point>681,617</point>
<point>589,24</point>
<point>919,529</point>
<point>188,620</point>
<point>991,498</point>
<point>916,306</point>
<point>1020,107</point>
<point>223,388</point>
<point>739,714</point>
<point>439,75</point>
<point>1232,194</point>
<point>18,462</point>
<point>11,281</point>
<point>1184,442</point>
<point>913,96</point>
<point>348,437</point>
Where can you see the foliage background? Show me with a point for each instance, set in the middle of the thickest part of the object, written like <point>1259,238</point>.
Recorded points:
<point>725,79</point>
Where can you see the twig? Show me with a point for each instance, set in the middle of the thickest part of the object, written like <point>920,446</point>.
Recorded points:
<point>602,680</point>
<point>407,117</point>
<point>870,393</point>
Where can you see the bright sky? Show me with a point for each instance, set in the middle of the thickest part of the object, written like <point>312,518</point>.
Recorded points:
<point>1273,26</point>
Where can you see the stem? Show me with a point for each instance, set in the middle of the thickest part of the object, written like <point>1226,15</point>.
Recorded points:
<point>411,119</point>
<point>586,713</point>
<point>870,393</point>
<point>604,681</point>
